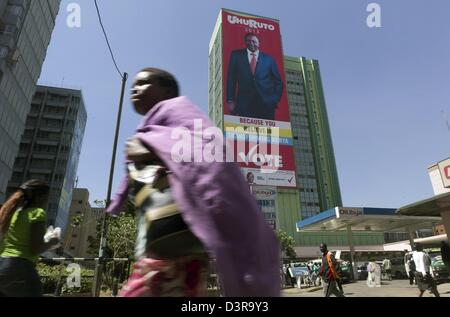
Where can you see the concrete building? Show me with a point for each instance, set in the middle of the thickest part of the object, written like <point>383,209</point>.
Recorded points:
<point>51,146</point>
<point>25,30</point>
<point>83,225</point>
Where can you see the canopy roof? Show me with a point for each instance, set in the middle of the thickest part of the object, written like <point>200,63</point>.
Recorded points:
<point>428,207</point>
<point>364,219</point>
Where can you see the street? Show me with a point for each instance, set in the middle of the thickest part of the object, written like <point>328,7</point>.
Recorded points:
<point>394,288</point>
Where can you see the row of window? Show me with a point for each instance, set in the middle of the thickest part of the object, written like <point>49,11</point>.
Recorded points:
<point>7,152</point>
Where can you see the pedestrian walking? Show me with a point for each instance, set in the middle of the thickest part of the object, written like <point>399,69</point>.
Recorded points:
<point>406,257</point>
<point>412,271</point>
<point>23,221</point>
<point>423,272</point>
<point>387,268</point>
<point>315,274</point>
<point>190,207</point>
<point>373,274</point>
<point>328,272</point>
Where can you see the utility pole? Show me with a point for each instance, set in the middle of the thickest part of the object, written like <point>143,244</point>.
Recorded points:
<point>100,266</point>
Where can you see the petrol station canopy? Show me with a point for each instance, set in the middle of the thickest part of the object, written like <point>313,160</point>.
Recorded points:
<point>433,206</point>
<point>365,219</point>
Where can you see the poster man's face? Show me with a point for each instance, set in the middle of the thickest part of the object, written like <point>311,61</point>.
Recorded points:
<point>252,43</point>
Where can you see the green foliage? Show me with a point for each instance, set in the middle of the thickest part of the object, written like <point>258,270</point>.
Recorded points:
<point>122,232</point>
<point>77,220</point>
<point>287,244</point>
<point>55,276</point>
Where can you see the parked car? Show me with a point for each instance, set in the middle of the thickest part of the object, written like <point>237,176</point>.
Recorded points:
<point>398,269</point>
<point>346,270</point>
<point>362,271</point>
<point>438,267</point>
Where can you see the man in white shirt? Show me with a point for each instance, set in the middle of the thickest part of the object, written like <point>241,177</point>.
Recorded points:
<point>423,272</point>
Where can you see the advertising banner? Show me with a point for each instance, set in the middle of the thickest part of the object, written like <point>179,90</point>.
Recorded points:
<point>255,97</point>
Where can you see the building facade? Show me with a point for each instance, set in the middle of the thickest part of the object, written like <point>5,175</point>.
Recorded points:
<point>83,225</point>
<point>316,172</point>
<point>50,147</point>
<point>25,30</point>
<point>317,177</point>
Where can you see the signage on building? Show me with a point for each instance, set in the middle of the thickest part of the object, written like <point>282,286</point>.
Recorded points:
<point>345,211</point>
<point>266,198</point>
<point>256,111</point>
<point>444,169</point>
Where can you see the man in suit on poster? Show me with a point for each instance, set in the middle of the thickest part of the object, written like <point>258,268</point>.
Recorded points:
<point>257,79</point>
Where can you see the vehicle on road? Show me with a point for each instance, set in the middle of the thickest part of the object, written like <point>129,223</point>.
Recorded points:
<point>440,271</point>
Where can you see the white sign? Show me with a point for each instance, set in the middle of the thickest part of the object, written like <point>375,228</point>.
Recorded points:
<point>255,176</point>
<point>444,169</point>
<point>346,211</point>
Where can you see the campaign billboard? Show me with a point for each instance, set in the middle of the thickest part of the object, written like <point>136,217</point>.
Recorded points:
<point>256,111</point>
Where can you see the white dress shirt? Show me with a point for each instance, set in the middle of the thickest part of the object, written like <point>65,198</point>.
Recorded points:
<point>250,56</point>
<point>422,262</point>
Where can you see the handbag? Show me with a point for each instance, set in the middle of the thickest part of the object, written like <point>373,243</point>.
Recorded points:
<point>166,233</point>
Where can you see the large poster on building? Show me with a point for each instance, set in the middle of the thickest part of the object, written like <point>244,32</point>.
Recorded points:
<point>256,111</point>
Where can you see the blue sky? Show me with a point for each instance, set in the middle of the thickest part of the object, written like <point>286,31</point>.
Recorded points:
<point>385,87</point>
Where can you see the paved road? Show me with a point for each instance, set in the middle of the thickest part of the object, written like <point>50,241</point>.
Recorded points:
<point>395,288</point>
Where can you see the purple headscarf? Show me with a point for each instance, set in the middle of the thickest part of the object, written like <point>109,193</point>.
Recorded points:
<point>216,204</point>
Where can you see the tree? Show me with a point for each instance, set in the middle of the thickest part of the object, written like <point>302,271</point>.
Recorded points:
<point>287,244</point>
<point>121,238</point>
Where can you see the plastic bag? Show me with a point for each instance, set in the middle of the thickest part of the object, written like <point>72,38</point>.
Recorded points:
<point>51,234</point>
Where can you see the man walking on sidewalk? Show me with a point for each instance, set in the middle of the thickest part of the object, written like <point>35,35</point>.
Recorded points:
<point>423,276</point>
<point>328,272</point>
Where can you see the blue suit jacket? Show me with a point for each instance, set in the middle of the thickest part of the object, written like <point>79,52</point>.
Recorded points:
<point>266,81</point>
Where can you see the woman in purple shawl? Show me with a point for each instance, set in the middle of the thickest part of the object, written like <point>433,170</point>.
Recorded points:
<point>213,199</point>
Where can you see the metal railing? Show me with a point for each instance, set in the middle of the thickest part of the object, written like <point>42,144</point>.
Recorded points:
<point>60,278</point>
<point>56,272</point>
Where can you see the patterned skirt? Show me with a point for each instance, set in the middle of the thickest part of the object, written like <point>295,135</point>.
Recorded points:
<point>171,260</point>
<point>181,277</point>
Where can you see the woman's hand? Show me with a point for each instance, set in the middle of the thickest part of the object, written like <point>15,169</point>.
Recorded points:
<point>137,152</point>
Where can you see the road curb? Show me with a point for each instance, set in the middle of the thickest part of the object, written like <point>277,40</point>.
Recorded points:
<point>314,289</point>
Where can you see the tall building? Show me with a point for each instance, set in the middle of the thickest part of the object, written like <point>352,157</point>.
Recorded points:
<point>317,185</point>
<point>314,155</point>
<point>25,30</point>
<point>83,225</point>
<point>51,145</point>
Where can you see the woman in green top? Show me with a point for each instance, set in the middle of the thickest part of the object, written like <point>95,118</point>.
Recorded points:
<point>23,222</point>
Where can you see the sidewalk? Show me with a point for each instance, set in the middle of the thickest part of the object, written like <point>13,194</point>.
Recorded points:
<point>395,288</point>
<point>293,291</point>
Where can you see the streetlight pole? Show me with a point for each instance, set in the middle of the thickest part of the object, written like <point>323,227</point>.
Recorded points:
<point>100,266</point>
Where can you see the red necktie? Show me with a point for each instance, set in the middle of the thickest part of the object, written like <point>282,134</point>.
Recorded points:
<point>253,63</point>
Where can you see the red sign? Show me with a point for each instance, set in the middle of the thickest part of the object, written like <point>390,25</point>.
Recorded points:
<point>254,85</point>
<point>447,171</point>
<point>254,94</point>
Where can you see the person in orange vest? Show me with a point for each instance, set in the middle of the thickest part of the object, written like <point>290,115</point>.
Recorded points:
<point>329,273</point>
